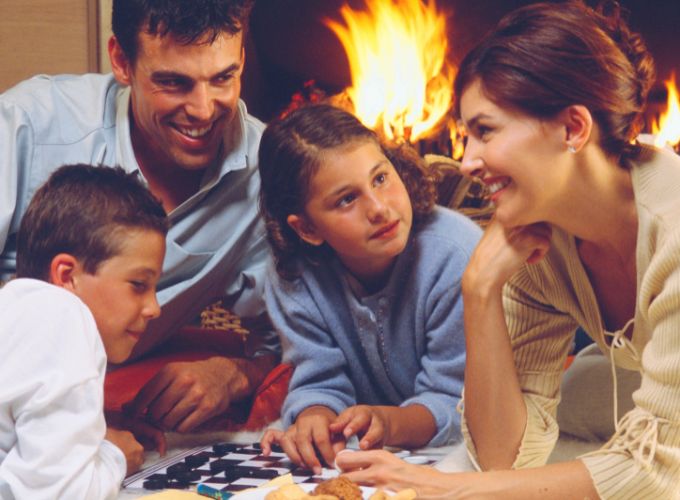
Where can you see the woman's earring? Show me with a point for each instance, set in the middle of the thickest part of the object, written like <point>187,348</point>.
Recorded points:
<point>571,148</point>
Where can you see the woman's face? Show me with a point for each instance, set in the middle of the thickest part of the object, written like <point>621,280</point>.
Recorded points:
<point>521,159</point>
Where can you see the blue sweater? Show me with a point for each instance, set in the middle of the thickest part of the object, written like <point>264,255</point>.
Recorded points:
<point>400,346</point>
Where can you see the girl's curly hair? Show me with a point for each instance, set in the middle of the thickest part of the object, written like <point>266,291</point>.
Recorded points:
<point>290,154</point>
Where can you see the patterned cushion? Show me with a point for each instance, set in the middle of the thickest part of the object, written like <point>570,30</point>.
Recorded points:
<point>193,344</point>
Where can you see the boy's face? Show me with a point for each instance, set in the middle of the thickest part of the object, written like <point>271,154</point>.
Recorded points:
<point>122,293</point>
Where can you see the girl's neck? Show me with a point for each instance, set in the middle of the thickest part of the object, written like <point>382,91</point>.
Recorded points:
<point>370,279</point>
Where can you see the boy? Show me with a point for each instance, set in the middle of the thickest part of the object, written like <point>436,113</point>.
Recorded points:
<point>170,112</point>
<point>99,234</point>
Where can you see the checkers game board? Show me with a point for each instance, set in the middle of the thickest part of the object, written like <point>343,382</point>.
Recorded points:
<point>230,467</point>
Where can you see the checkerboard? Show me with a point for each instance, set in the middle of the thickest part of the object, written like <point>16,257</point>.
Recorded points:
<point>230,467</point>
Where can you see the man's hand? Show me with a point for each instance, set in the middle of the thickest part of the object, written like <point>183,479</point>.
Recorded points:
<point>183,395</point>
<point>133,451</point>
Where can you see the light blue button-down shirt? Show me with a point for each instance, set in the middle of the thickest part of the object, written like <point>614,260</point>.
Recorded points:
<point>216,245</point>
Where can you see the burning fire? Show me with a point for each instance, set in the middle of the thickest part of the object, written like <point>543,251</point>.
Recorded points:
<point>667,130</point>
<point>401,81</point>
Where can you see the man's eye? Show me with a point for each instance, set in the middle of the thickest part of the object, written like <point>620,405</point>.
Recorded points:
<point>173,83</point>
<point>224,78</point>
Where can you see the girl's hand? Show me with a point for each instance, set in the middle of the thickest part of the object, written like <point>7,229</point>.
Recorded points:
<point>368,422</point>
<point>270,438</point>
<point>502,252</point>
<point>307,438</point>
<point>382,469</point>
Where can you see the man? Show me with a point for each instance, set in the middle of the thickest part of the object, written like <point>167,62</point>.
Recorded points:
<point>171,112</point>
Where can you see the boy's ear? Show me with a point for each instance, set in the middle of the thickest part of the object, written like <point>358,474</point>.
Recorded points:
<point>120,65</point>
<point>63,271</point>
<point>304,229</point>
<point>578,123</point>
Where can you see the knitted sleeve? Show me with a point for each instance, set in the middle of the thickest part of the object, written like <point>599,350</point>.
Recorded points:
<point>319,377</point>
<point>541,338</point>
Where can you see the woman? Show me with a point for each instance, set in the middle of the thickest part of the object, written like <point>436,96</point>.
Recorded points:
<point>586,233</point>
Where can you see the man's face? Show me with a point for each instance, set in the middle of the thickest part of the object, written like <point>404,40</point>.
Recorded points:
<point>183,97</point>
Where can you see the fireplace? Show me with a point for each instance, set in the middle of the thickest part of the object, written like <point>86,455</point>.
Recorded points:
<point>290,44</point>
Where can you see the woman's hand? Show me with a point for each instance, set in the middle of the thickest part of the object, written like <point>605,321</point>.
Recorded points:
<point>492,389</point>
<point>502,252</point>
<point>382,469</point>
<point>308,436</point>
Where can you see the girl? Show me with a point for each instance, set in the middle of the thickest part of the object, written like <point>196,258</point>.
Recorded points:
<point>585,234</point>
<point>366,293</point>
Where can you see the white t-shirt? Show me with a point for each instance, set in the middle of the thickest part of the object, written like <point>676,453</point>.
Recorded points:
<point>52,423</point>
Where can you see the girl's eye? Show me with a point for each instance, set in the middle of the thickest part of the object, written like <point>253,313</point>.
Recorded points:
<point>380,179</point>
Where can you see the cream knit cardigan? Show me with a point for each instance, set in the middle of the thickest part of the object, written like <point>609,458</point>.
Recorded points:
<point>545,302</point>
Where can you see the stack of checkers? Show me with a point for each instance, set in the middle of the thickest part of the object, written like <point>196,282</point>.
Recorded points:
<point>227,467</point>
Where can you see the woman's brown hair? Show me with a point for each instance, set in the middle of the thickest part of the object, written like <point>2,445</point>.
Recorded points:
<point>545,57</point>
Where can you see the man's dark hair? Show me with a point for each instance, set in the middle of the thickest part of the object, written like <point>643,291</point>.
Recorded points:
<point>80,210</point>
<point>187,21</point>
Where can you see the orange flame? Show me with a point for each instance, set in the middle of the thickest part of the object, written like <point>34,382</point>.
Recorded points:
<point>667,130</point>
<point>401,81</point>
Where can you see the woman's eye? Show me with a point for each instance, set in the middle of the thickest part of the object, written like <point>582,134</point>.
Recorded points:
<point>483,131</point>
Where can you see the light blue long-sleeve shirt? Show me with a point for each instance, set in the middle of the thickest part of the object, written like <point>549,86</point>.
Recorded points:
<point>400,346</point>
<point>216,245</point>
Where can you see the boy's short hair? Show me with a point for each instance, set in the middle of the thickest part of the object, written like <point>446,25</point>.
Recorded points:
<point>80,210</point>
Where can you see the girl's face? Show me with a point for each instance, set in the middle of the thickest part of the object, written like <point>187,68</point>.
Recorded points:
<point>522,160</point>
<point>357,204</point>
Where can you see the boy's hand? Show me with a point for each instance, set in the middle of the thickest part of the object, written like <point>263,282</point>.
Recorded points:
<point>368,422</point>
<point>133,451</point>
<point>149,436</point>
<point>307,436</point>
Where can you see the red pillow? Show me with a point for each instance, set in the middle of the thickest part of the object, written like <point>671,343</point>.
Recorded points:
<point>194,344</point>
